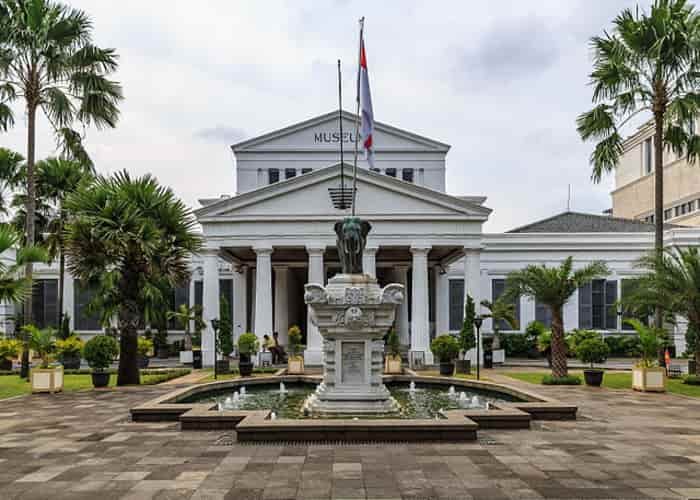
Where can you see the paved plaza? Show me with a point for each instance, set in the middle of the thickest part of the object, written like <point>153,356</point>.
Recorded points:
<point>82,445</point>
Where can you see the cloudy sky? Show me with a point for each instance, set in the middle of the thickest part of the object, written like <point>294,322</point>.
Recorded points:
<point>502,82</point>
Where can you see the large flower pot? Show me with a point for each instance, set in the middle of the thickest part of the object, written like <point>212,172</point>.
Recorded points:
<point>5,365</point>
<point>392,364</point>
<point>143,361</point>
<point>463,366</point>
<point>245,368</point>
<point>47,379</point>
<point>447,369</point>
<point>499,356</point>
<point>186,357</point>
<point>488,359</point>
<point>594,378</point>
<point>100,379</point>
<point>649,379</point>
<point>71,362</point>
<point>223,366</point>
<point>295,366</point>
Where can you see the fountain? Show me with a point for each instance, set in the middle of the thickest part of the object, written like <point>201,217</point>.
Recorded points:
<point>412,386</point>
<point>475,401</point>
<point>352,314</point>
<point>242,389</point>
<point>462,398</point>
<point>451,392</point>
<point>283,389</point>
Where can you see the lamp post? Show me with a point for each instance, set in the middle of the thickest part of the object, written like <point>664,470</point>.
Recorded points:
<point>215,327</point>
<point>477,323</point>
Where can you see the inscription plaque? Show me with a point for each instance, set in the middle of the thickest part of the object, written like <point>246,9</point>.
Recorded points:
<point>353,363</point>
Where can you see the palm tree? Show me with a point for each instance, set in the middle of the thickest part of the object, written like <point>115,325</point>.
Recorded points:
<point>127,237</point>
<point>184,315</point>
<point>649,63</point>
<point>48,60</point>
<point>552,287</point>
<point>500,311</point>
<point>56,179</point>
<point>673,281</point>
<point>14,286</point>
<point>11,165</point>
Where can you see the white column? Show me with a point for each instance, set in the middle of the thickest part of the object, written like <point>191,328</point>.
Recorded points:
<point>282,302</point>
<point>369,261</point>
<point>402,326</point>
<point>420,177</point>
<point>253,281</point>
<point>472,287</point>
<point>420,326</point>
<point>210,304</point>
<point>69,298</point>
<point>263,292</point>
<point>240,301</point>
<point>262,180</point>
<point>314,342</point>
<point>442,302</point>
<point>190,302</point>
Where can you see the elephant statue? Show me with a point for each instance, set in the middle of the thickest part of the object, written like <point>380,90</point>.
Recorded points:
<point>352,237</point>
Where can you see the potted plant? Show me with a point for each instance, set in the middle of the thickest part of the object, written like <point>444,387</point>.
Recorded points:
<point>392,363</point>
<point>247,346</point>
<point>185,316</point>
<point>647,375</point>
<point>592,350</point>
<point>9,349</point>
<point>467,339</point>
<point>144,347</point>
<point>295,362</point>
<point>69,350</point>
<point>501,312</point>
<point>45,378</point>
<point>99,352</point>
<point>446,349</point>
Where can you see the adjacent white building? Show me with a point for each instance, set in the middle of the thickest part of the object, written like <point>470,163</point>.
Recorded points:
<point>275,234</point>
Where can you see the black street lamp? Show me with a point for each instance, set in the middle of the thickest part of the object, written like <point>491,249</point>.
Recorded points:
<point>477,323</point>
<point>215,327</point>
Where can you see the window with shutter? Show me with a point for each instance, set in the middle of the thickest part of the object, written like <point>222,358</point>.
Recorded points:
<point>498,287</point>
<point>456,304</point>
<point>82,319</point>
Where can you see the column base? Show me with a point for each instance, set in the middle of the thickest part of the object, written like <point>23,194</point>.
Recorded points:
<point>313,357</point>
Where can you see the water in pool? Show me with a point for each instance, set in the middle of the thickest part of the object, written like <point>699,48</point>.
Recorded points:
<point>417,401</point>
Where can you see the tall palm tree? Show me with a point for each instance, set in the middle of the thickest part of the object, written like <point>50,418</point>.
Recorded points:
<point>56,179</point>
<point>673,280</point>
<point>552,287</point>
<point>127,237</point>
<point>11,165</point>
<point>649,63</point>
<point>500,311</point>
<point>49,61</point>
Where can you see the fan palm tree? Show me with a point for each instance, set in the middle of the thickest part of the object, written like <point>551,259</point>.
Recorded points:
<point>49,61</point>
<point>56,179</point>
<point>183,316</point>
<point>127,237</point>
<point>649,63</point>
<point>500,311</point>
<point>11,165</point>
<point>552,287</point>
<point>672,281</point>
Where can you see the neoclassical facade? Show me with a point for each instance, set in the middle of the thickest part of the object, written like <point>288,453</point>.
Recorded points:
<point>273,235</point>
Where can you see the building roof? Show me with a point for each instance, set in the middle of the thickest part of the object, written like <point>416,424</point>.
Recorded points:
<point>577,222</point>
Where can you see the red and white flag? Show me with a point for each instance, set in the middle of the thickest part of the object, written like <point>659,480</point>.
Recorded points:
<point>367,123</point>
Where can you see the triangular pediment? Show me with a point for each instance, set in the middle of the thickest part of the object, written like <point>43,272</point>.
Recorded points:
<point>308,196</point>
<point>323,132</point>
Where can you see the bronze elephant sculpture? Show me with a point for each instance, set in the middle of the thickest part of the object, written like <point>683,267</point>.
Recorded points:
<point>352,237</point>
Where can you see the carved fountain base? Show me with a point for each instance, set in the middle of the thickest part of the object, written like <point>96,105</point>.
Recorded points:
<point>352,314</point>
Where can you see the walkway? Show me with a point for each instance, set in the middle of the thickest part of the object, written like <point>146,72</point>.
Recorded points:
<point>82,446</point>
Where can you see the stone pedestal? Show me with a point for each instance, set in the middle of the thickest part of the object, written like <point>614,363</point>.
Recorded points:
<point>352,315</point>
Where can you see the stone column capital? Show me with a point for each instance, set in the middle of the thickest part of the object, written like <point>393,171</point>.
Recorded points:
<point>419,249</point>
<point>315,250</point>
<point>262,249</point>
<point>371,249</point>
<point>240,268</point>
<point>475,251</point>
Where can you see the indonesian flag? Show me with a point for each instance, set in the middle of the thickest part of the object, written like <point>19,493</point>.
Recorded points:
<point>367,124</point>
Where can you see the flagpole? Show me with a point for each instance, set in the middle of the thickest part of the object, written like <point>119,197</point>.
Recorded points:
<point>357,119</point>
<point>340,125</point>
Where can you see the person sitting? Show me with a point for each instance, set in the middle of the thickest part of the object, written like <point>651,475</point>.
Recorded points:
<point>278,355</point>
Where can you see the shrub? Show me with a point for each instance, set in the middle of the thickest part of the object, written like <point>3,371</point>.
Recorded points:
<point>144,346</point>
<point>445,347</point>
<point>224,336</point>
<point>64,330</point>
<point>576,336</point>
<point>692,380</point>
<point>518,345</point>
<point>69,347</point>
<point>41,341</point>
<point>651,340</point>
<point>592,350</point>
<point>467,339</point>
<point>534,329</point>
<point>544,341</point>
<point>100,351</point>
<point>568,380</point>
<point>9,348</point>
<point>248,343</point>
<point>294,336</point>
<point>392,342</point>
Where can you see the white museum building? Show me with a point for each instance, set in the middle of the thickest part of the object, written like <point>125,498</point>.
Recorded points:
<point>275,234</point>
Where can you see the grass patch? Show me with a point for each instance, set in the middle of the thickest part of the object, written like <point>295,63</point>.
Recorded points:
<point>612,380</point>
<point>13,385</point>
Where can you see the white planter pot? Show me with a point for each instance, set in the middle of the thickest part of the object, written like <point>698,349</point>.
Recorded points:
<point>47,379</point>
<point>186,357</point>
<point>649,379</point>
<point>499,356</point>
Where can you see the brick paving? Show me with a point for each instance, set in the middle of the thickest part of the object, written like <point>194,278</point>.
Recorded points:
<point>82,446</point>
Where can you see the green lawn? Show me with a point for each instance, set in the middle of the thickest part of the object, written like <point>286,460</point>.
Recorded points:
<point>612,380</point>
<point>12,385</point>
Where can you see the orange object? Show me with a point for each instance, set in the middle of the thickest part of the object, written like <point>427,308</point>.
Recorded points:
<point>667,358</point>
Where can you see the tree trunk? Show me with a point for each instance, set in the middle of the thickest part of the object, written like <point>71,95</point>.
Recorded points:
<point>496,344</point>
<point>659,204</point>
<point>128,355</point>
<point>559,364</point>
<point>29,227</point>
<point>61,268</point>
